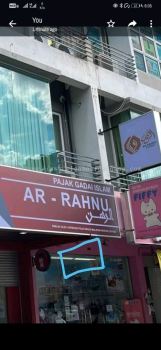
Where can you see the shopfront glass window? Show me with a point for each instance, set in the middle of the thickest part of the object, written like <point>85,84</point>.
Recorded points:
<point>88,297</point>
<point>27,134</point>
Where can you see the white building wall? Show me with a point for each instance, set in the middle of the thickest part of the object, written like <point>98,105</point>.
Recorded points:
<point>90,80</point>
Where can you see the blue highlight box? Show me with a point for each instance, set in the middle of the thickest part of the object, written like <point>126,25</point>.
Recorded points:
<point>94,268</point>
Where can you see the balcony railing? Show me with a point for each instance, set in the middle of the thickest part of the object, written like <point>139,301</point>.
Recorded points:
<point>94,51</point>
<point>76,165</point>
<point>123,182</point>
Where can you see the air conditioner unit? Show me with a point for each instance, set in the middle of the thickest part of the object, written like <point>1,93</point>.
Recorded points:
<point>104,61</point>
<point>63,47</point>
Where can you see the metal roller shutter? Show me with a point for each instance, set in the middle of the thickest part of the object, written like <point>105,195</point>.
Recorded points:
<point>8,269</point>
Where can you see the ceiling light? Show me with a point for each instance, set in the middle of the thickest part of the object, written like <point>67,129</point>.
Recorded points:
<point>84,259</point>
<point>157,239</point>
<point>56,258</point>
<point>22,233</point>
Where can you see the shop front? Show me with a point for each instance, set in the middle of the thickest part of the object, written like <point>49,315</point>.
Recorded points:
<point>90,297</point>
<point>57,214</point>
<point>95,296</point>
<point>142,217</point>
<point>43,210</point>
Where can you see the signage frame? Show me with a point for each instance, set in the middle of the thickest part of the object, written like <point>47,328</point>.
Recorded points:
<point>141,156</point>
<point>141,187</point>
<point>55,232</point>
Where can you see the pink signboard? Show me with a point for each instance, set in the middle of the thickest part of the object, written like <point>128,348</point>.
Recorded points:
<point>145,199</point>
<point>34,201</point>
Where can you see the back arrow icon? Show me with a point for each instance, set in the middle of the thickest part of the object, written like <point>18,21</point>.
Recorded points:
<point>12,23</point>
<point>133,23</point>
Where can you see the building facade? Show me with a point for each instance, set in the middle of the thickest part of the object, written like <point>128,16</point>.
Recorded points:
<point>63,93</point>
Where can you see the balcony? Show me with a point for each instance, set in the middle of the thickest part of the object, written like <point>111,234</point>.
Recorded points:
<point>75,165</point>
<point>99,53</point>
<point>122,183</point>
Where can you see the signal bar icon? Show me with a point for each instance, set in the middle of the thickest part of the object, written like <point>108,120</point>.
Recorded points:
<point>30,5</point>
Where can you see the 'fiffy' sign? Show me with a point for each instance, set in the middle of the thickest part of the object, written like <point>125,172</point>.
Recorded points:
<point>145,198</point>
<point>50,203</point>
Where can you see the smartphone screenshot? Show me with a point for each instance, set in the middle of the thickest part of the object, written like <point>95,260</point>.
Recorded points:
<point>80,163</point>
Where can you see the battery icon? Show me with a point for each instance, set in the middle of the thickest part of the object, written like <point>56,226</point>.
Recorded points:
<point>135,5</point>
<point>13,5</point>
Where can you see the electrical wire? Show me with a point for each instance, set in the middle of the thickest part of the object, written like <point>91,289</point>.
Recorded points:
<point>118,109</point>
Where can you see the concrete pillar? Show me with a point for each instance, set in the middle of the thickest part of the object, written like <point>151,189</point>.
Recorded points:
<point>86,121</point>
<point>88,48</point>
<point>26,287</point>
<point>101,140</point>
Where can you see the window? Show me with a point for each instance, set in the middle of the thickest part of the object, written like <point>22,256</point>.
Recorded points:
<point>136,40</point>
<point>140,61</point>
<point>59,144</point>
<point>147,49</point>
<point>152,66</point>
<point>28,136</point>
<point>159,51</point>
<point>89,297</point>
<point>94,35</point>
<point>146,31</point>
<point>149,174</point>
<point>115,121</point>
<point>157,33</point>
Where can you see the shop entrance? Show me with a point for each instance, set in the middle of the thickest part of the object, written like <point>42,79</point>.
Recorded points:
<point>10,311</point>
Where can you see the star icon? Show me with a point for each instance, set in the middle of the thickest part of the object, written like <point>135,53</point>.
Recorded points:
<point>110,23</point>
